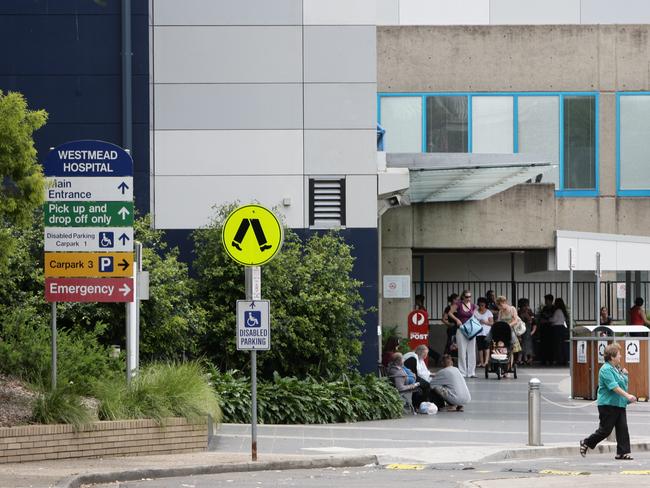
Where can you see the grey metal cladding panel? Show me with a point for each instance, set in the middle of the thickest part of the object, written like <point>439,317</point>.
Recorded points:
<point>340,54</point>
<point>227,12</point>
<point>610,12</point>
<point>202,54</point>
<point>234,106</point>
<point>341,106</point>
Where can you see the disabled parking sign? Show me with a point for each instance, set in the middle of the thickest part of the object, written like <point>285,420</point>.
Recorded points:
<point>252,235</point>
<point>253,325</point>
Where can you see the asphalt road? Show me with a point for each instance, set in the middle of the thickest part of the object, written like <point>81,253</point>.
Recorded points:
<point>593,471</point>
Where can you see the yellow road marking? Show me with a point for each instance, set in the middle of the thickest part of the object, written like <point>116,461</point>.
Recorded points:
<point>563,473</point>
<point>641,471</point>
<point>405,466</point>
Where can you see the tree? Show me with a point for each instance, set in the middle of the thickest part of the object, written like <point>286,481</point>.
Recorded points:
<point>21,177</point>
<point>316,308</point>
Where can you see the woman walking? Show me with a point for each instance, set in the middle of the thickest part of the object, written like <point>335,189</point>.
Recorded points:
<point>460,313</point>
<point>612,400</point>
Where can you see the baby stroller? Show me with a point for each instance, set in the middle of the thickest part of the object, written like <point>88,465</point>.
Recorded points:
<point>500,363</point>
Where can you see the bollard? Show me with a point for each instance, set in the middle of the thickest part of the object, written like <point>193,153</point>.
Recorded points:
<point>534,413</point>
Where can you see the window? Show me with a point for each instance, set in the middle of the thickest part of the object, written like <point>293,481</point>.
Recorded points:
<point>634,144</point>
<point>579,143</point>
<point>447,124</point>
<point>561,128</point>
<point>492,129</point>
<point>401,117</point>
<point>539,130</point>
<point>326,202</point>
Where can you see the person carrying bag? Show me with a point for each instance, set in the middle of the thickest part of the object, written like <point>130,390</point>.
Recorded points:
<point>462,313</point>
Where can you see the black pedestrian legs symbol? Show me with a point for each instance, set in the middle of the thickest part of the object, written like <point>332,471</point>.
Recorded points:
<point>257,229</point>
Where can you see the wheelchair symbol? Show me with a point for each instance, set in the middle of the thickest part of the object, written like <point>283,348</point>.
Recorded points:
<point>252,318</point>
<point>105,239</point>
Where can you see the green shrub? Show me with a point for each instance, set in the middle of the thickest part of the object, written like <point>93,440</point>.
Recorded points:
<point>61,406</point>
<point>159,391</point>
<point>351,398</point>
<point>25,351</point>
<point>316,308</point>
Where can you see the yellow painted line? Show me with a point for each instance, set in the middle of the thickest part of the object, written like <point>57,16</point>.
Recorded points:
<point>641,471</point>
<point>88,264</point>
<point>405,466</point>
<point>563,473</point>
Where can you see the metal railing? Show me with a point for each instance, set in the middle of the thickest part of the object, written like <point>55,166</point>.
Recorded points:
<point>436,293</point>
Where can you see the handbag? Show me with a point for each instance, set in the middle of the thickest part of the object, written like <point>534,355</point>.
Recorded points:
<point>520,328</point>
<point>471,328</point>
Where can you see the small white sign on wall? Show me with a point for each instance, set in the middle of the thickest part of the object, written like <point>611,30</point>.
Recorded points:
<point>397,286</point>
<point>601,351</point>
<point>632,351</point>
<point>582,352</point>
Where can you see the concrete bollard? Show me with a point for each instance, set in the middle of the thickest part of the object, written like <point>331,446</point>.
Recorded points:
<point>534,413</point>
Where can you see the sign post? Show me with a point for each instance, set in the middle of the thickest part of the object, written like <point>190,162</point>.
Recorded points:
<point>252,249</point>
<point>88,213</point>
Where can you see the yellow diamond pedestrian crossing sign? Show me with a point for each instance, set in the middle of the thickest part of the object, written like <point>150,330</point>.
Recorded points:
<point>252,235</point>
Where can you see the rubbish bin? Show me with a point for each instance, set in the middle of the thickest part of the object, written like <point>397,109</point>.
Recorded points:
<point>588,350</point>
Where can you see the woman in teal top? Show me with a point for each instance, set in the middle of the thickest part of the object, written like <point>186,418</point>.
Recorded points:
<point>612,400</point>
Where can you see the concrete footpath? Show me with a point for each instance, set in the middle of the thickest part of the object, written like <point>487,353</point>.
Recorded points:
<point>73,473</point>
<point>492,428</point>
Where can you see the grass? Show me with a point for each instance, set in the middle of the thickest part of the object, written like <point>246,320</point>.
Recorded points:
<point>159,391</point>
<point>61,406</point>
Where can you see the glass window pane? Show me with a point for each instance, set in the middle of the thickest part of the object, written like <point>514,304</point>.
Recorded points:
<point>447,124</point>
<point>402,119</point>
<point>635,142</point>
<point>539,131</point>
<point>579,142</point>
<point>492,126</point>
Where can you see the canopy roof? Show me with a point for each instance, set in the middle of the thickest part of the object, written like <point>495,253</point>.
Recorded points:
<point>449,177</point>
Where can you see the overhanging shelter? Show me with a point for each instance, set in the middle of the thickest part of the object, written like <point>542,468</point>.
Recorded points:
<point>449,177</point>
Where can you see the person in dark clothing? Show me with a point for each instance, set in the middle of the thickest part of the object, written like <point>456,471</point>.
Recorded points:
<point>560,332</point>
<point>545,351</point>
<point>451,348</point>
<point>638,317</point>
<point>390,348</point>
<point>492,302</point>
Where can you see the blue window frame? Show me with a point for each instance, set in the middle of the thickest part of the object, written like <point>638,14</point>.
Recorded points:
<point>563,98</point>
<point>640,129</point>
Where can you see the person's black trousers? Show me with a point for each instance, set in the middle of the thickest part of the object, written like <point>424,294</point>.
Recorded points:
<point>611,417</point>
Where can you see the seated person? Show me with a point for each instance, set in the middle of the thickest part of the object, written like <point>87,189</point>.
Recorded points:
<point>500,352</point>
<point>449,387</point>
<point>422,369</point>
<point>389,349</point>
<point>403,379</point>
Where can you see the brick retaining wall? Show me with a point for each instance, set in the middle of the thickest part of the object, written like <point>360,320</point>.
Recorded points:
<point>101,439</point>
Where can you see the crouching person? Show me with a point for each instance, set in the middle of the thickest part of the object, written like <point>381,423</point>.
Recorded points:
<point>448,387</point>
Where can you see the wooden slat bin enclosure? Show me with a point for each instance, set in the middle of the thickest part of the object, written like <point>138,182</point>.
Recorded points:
<point>587,360</point>
<point>101,439</point>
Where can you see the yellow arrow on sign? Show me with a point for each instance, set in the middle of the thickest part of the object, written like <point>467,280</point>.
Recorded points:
<point>88,264</point>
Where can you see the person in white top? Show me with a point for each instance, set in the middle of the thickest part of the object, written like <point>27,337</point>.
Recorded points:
<point>485,317</point>
<point>419,354</point>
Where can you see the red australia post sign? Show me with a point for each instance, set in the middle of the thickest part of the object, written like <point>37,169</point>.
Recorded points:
<point>89,289</point>
<point>418,328</point>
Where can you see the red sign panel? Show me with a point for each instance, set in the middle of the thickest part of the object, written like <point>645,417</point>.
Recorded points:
<point>418,328</point>
<point>89,289</point>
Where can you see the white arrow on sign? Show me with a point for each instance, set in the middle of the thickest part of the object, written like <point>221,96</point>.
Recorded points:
<point>93,239</point>
<point>125,289</point>
<point>123,212</point>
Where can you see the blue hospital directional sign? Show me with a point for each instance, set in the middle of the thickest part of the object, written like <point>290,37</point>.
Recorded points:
<point>88,158</point>
<point>253,325</point>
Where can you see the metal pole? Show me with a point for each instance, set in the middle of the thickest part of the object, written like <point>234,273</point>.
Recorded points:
<point>136,298</point>
<point>570,319</point>
<point>54,352</point>
<point>253,284</point>
<point>534,412</point>
<point>131,327</point>
<point>127,77</point>
<point>597,289</point>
